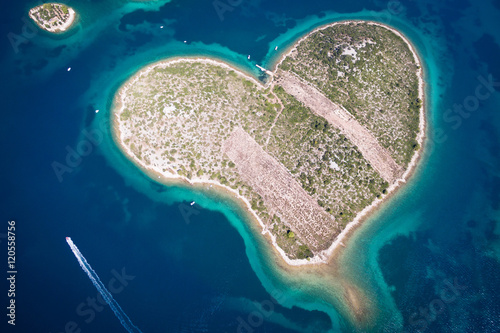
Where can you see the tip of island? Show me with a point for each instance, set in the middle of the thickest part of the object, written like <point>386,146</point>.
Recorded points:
<point>53,17</point>
<point>337,127</point>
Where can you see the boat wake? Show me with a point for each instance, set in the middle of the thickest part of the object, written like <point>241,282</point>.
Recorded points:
<point>106,295</point>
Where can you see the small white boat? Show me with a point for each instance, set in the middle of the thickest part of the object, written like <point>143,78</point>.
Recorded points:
<point>161,27</point>
<point>192,203</point>
<point>96,111</point>
<point>276,48</point>
<point>185,41</point>
<point>248,57</point>
<point>69,68</point>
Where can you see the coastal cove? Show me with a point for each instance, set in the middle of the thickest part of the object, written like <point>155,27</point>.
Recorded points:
<point>320,276</point>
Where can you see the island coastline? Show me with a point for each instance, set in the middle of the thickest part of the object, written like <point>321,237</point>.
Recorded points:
<point>64,27</point>
<point>170,178</point>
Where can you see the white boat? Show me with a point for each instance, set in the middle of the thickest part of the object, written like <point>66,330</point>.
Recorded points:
<point>69,68</point>
<point>248,57</point>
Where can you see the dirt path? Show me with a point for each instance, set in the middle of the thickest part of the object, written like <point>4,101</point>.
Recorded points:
<point>277,116</point>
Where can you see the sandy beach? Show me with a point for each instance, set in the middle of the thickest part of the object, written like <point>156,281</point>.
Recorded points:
<point>170,177</point>
<point>69,22</point>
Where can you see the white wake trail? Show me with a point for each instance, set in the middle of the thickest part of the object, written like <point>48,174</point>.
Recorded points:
<point>106,295</point>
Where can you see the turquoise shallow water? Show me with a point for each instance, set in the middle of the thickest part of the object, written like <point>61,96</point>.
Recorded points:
<point>428,260</point>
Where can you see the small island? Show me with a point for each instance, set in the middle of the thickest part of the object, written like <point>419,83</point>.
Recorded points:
<point>334,131</point>
<point>53,17</point>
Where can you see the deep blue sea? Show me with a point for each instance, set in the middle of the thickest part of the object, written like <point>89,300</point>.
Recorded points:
<point>428,261</point>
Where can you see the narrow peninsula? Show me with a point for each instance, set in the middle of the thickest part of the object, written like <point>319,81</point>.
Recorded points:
<point>336,128</point>
<point>53,17</point>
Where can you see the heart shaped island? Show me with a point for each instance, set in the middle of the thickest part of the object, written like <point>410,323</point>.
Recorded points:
<point>337,126</point>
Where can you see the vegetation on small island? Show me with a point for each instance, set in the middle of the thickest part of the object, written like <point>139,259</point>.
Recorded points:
<point>53,17</point>
<point>204,121</point>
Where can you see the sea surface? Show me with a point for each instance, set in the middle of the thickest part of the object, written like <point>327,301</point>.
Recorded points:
<point>427,261</point>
